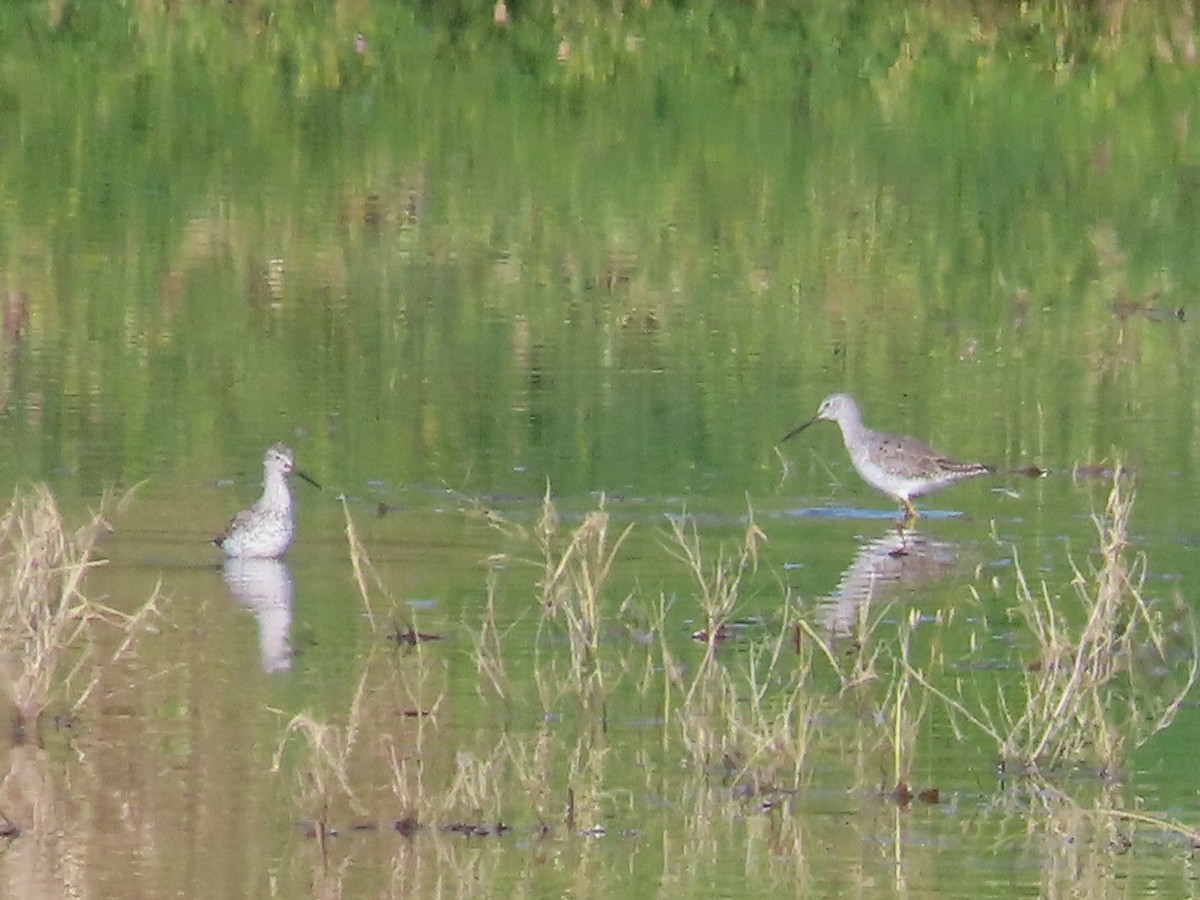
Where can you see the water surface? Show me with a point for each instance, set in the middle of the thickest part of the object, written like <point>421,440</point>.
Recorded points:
<point>452,285</point>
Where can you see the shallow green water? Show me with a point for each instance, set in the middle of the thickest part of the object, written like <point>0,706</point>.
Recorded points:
<point>448,280</point>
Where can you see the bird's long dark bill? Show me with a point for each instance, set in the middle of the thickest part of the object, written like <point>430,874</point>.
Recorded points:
<point>795,431</point>
<point>306,477</point>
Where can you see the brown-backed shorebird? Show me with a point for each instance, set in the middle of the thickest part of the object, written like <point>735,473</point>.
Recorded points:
<point>901,467</point>
<point>264,530</point>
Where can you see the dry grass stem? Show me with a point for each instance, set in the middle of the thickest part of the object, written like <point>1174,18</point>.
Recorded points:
<point>489,646</point>
<point>360,565</point>
<point>905,714</point>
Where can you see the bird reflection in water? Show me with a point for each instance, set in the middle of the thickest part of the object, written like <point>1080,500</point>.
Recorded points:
<point>264,586</point>
<point>897,562</point>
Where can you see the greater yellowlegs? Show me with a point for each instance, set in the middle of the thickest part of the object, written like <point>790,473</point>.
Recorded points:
<point>264,530</point>
<point>899,466</point>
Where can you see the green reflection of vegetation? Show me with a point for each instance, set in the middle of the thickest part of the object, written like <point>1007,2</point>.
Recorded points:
<point>459,246</point>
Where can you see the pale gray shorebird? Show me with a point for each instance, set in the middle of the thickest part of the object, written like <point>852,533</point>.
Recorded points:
<point>901,467</point>
<point>264,530</point>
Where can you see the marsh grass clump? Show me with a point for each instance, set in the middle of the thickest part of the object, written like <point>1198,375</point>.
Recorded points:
<point>752,716</point>
<point>47,623</point>
<point>322,764</point>
<point>750,719</point>
<point>858,664</point>
<point>576,564</point>
<point>719,582</point>
<point>576,568</point>
<point>1110,666</point>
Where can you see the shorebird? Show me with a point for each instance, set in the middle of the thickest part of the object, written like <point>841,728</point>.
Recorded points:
<point>901,467</point>
<point>264,530</point>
